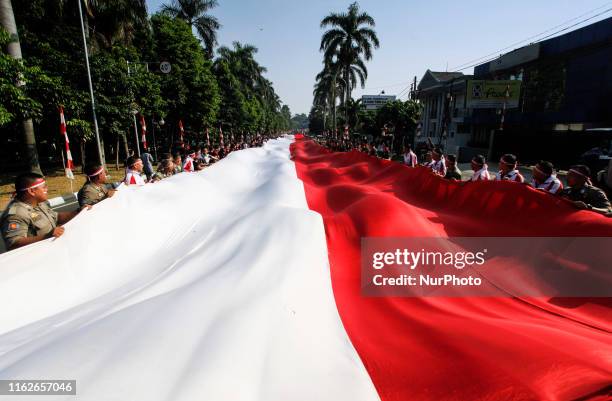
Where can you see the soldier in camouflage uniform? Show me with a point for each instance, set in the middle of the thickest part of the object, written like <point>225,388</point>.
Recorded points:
<point>583,194</point>
<point>165,169</point>
<point>28,217</point>
<point>95,189</point>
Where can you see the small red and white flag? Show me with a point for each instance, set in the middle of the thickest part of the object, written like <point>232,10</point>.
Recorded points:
<point>69,163</point>
<point>182,130</point>
<point>143,125</point>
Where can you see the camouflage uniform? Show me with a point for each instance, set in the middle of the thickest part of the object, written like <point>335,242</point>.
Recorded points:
<point>21,220</point>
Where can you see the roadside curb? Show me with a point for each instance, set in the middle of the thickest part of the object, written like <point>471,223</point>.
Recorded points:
<point>60,200</point>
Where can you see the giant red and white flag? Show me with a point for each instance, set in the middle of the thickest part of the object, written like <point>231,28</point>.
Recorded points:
<point>254,293</point>
<point>69,162</point>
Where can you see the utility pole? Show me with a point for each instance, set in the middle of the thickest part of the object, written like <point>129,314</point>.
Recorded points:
<point>503,113</point>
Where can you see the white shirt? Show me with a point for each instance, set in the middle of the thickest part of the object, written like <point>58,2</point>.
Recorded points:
<point>552,185</point>
<point>513,175</point>
<point>410,159</point>
<point>481,175</point>
<point>133,177</point>
<point>438,167</point>
<point>188,165</point>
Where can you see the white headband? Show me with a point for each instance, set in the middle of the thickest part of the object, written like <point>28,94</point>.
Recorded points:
<point>98,171</point>
<point>36,184</point>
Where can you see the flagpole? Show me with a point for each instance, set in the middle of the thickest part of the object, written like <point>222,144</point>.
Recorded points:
<point>64,164</point>
<point>93,102</point>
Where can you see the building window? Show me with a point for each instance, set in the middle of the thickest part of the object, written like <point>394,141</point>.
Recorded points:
<point>434,108</point>
<point>544,87</point>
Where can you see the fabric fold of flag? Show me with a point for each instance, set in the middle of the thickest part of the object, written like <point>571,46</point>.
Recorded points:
<point>455,348</point>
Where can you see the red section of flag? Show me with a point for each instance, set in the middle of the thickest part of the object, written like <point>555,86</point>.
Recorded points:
<point>455,348</point>
<point>143,126</point>
<point>69,162</point>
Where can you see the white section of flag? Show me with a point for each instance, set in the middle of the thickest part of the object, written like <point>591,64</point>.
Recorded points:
<point>150,296</point>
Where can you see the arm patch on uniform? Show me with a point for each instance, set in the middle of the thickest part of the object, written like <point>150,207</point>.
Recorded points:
<point>12,226</point>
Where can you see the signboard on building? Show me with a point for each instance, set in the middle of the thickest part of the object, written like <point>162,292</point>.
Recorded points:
<point>374,102</point>
<point>492,94</point>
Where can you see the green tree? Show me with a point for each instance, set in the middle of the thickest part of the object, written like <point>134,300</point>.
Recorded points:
<point>114,21</point>
<point>299,121</point>
<point>349,38</point>
<point>7,21</point>
<point>233,103</point>
<point>401,118</point>
<point>249,100</point>
<point>190,89</point>
<point>194,12</point>
<point>328,88</point>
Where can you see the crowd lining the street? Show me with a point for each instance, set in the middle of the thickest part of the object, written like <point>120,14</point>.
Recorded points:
<point>28,218</point>
<point>580,189</point>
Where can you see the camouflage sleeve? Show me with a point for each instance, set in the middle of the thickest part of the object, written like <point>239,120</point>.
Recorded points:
<point>600,200</point>
<point>87,196</point>
<point>13,228</point>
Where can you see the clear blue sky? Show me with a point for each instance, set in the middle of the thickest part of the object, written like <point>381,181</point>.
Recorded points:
<point>415,35</point>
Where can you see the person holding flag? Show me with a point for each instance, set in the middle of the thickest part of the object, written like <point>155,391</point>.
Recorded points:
<point>94,190</point>
<point>410,158</point>
<point>134,170</point>
<point>480,168</point>
<point>188,164</point>
<point>507,169</point>
<point>28,218</point>
<point>545,179</point>
<point>437,165</point>
<point>583,194</point>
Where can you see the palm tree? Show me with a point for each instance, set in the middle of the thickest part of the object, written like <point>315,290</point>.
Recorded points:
<point>7,21</point>
<point>351,36</point>
<point>115,21</point>
<point>194,12</point>
<point>329,86</point>
<point>242,62</point>
<point>352,109</point>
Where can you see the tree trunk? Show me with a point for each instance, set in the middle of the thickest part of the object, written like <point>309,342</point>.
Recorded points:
<point>117,156</point>
<point>7,20</point>
<point>82,146</point>
<point>348,94</point>
<point>125,145</point>
<point>334,104</point>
